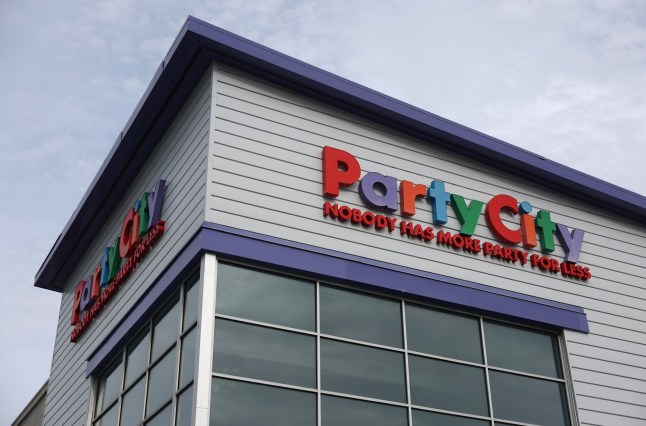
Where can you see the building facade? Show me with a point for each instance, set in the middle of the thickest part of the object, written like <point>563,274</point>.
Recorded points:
<point>268,243</point>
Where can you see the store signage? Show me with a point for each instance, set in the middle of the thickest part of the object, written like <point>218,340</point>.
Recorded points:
<point>140,230</point>
<point>379,192</point>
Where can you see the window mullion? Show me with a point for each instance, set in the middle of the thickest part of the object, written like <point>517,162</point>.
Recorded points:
<point>486,366</point>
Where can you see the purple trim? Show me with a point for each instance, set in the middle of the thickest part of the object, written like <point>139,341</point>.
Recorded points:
<point>325,264</point>
<point>194,49</point>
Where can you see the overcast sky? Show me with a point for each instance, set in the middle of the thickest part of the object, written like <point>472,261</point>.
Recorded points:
<point>566,80</point>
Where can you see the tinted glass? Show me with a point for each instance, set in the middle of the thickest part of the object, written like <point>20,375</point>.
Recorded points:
<point>166,328</point>
<point>137,358</point>
<point>110,386</point>
<point>360,370</point>
<point>185,407</point>
<point>235,403</point>
<point>442,333</point>
<point>264,353</point>
<point>132,407</point>
<point>163,418</point>
<point>522,349</point>
<point>265,297</point>
<point>526,399</point>
<point>360,317</point>
<point>448,386</point>
<point>351,412</point>
<point>429,418</point>
<point>162,382</point>
<point>190,303</point>
<point>188,358</point>
<point>110,417</point>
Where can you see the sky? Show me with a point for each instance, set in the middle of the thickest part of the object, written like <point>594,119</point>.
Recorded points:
<point>566,80</point>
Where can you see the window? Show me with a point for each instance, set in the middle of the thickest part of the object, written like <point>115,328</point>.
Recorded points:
<point>148,384</point>
<point>291,351</point>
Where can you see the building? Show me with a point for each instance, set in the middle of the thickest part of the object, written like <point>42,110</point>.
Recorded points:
<point>268,243</point>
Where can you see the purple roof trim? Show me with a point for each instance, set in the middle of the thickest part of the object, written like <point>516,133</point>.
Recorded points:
<point>199,43</point>
<point>325,264</point>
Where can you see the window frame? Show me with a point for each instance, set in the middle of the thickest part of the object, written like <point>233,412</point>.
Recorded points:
<point>178,298</point>
<point>563,363</point>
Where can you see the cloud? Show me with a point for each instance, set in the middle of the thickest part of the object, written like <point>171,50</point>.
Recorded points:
<point>564,79</point>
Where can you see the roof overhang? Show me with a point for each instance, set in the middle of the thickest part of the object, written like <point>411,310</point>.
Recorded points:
<point>199,44</point>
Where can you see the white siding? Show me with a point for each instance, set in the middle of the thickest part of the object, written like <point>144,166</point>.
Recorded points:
<point>180,159</point>
<point>265,176</point>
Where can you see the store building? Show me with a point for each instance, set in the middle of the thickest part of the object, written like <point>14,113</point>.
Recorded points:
<point>268,243</point>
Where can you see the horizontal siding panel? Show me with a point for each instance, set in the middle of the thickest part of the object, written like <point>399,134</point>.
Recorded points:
<point>281,106</point>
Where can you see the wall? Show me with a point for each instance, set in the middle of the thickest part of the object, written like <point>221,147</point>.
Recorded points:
<point>180,159</point>
<point>265,176</point>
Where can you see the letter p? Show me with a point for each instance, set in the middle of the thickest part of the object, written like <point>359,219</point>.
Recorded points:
<point>339,168</point>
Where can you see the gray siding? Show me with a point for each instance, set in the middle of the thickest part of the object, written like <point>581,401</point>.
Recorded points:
<point>265,176</point>
<point>180,159</point>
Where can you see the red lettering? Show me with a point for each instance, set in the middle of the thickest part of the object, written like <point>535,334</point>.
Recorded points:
<point>345,213</point>
<point>443,238</point>
<point>340,168</point>
<point>409,192</point>
<point>330,209</point>
<point>368,219</point>
<point>492,215</point>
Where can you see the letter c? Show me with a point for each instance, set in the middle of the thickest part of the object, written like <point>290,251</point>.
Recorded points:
<point>492,214</point>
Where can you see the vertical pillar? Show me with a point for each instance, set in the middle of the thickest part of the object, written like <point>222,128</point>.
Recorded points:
<point>204,344</point>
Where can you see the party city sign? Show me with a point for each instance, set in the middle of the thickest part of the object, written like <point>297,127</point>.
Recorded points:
<point>379,192</point>
<point>140,230</point>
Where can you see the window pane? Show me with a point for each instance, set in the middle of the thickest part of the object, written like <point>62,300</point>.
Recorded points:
<point>448,386</point>
<point>163,418</point>
<point>162,382</point>
<point>235,403</point>
<point>522,349</point>
<point>132,411</point>
<point>166,328</point>
<point>261,296</point>
<point>264,353</point>
<point>110,417</point>
<point>361,370</point>
<point>190,302</point>
<point>109,386</point>
<point>527,399</point>
<point>360,317</point>
<point>344,411</point>
<point>185,407</point>
<point>442,333</point>
<point>137,358</point>
<point>429,418</point>
<point>188,358</point>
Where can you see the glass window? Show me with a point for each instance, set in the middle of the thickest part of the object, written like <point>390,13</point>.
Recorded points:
<point>527,399</point>
<point>337,411</point>
<point>162,380</point>
<point>429,418</point>
<point>265,297</point>
<point>163,418</point>
<point>185,407</point>
<point>132,406</point>
<point>360,316</point>
<point>443,333</point>
<point>151,388</point>
<point>263,373</point>
<point>235,403</point>
<point>109,386</point>
<point>137,358</point>
<point>522,349</point>
<point>190,303</point>
<point>110,417</point>
<point>448,386</point>
<point>361,370</point>
<point>188,358</point>
<point>166,328</point>
<point>264,353</point>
